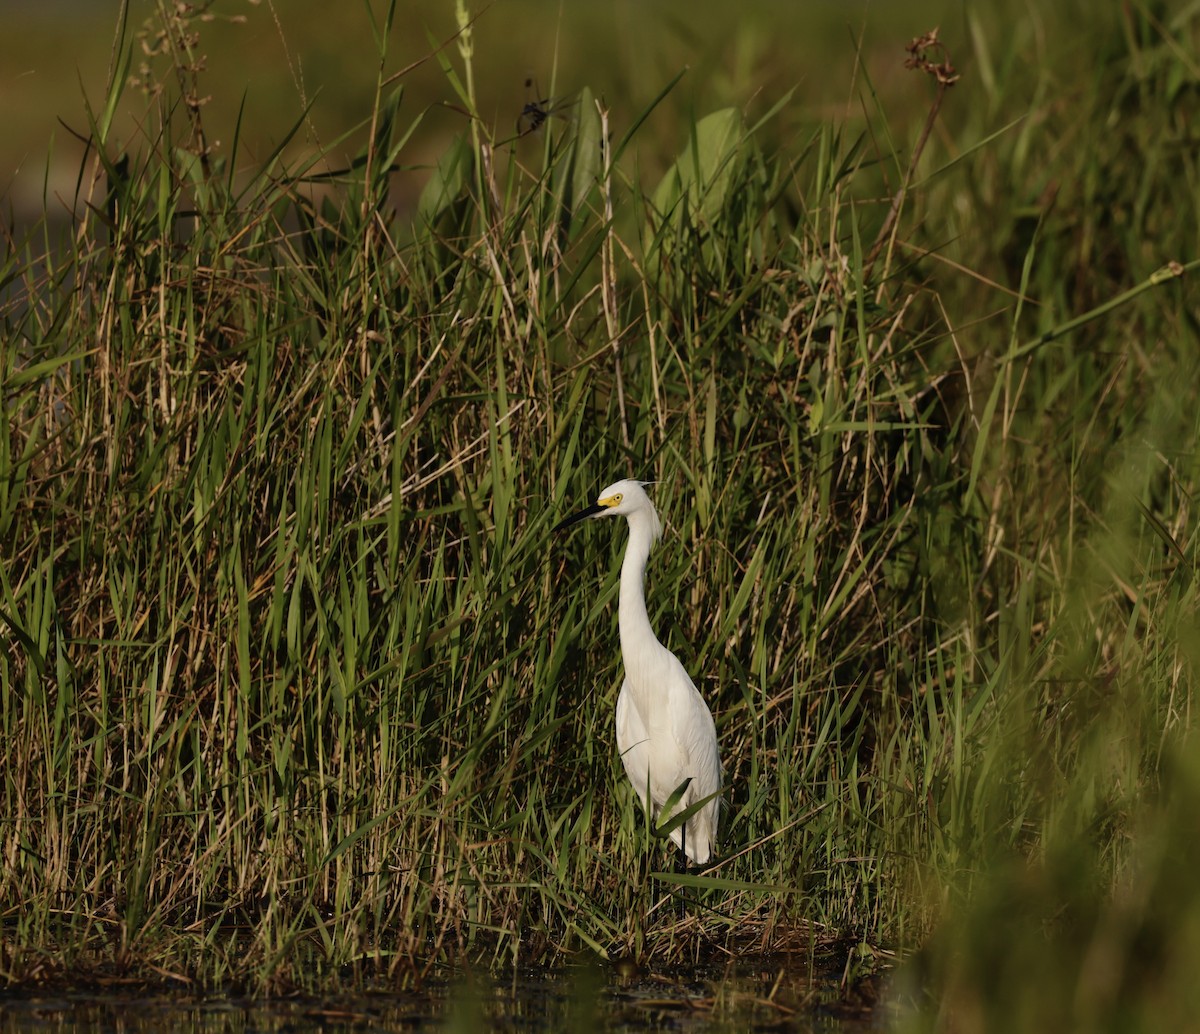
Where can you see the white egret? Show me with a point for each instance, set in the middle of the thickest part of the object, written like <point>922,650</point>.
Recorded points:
<point>665,731</point>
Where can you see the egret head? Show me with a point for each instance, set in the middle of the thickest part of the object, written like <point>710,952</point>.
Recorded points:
<point>620,499</point>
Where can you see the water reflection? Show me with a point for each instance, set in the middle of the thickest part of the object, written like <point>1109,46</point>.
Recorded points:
<point>749,995</point>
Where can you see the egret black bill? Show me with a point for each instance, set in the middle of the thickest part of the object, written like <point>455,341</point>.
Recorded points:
<point>575,518</point>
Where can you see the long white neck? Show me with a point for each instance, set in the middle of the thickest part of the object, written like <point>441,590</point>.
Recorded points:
<point>637,637</point>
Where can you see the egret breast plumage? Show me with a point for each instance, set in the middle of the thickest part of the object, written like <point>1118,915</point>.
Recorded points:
<point>665,731</point>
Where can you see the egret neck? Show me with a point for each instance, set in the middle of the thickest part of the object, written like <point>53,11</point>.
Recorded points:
<point>637,637</point>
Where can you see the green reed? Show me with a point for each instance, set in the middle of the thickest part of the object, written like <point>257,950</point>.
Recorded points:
<point>297,687</point>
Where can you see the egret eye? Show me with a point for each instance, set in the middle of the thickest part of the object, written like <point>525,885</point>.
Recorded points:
<point>617,499</point>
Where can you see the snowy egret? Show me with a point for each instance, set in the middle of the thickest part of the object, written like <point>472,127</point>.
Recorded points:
<point>665,731</point>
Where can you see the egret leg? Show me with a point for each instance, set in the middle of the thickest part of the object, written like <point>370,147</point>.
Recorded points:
<point>681,865</point>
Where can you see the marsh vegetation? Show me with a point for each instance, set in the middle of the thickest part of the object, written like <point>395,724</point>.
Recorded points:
<point>296,689</point>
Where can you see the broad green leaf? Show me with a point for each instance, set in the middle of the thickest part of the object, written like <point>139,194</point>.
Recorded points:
<point>449,181</point>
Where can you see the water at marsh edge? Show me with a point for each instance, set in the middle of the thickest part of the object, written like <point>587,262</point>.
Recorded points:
<point>752,995</point>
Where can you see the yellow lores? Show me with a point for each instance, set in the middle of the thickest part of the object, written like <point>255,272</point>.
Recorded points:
<point>665,731</point>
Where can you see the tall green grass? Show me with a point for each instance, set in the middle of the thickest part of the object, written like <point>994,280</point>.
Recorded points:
<point>297,687</point>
